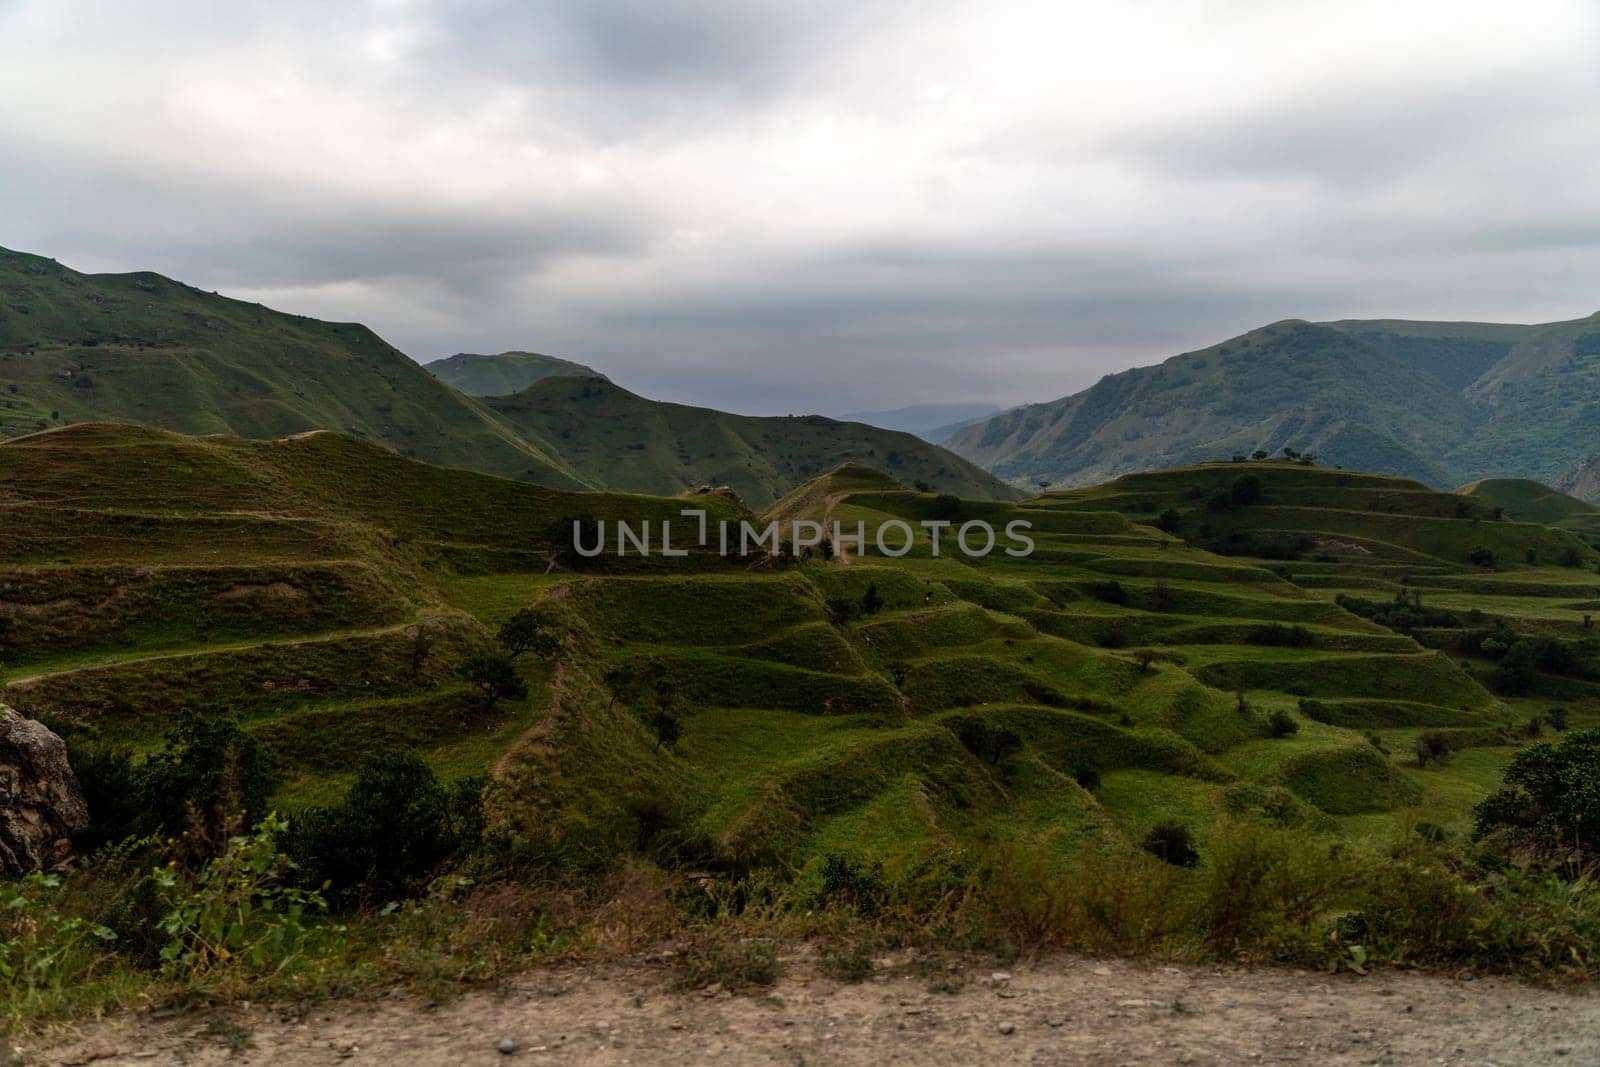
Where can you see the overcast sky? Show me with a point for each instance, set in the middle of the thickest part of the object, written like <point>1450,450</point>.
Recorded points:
<point>796,206</point>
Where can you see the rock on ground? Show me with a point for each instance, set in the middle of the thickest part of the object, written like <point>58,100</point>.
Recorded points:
<point>41,805</point>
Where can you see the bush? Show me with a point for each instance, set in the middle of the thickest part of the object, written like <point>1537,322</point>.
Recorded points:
<point>1432,747</point>
<point>495,677</point>
<point>210,782</point>
<point>1169,521</point>
<point>1246,490</point>
<point>1171,842</point>
<point>1277,634</point>
<point>242,912</point>
<point>1281,724</point>
<point>393,831</point>
<point>713,960</point>
<point>1482,557</point>
<point>527,631</point>
<point>1108,592</point>
<point>1550,801</point>
<point>853,884</point>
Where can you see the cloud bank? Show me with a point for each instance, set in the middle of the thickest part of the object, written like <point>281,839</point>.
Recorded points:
<point>818,206</point>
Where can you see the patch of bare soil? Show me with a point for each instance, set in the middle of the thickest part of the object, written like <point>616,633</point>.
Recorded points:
<point>1061,1010</point>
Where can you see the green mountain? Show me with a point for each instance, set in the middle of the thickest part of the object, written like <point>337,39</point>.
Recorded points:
<point>503,374</point>
<point>1529,501</point>
<point>145,349</point>
<point>1442,402</point>
<point>620,440</point>
<point>140,348</point>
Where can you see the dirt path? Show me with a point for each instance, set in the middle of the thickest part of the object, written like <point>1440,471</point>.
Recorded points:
<point>1061,1011</point>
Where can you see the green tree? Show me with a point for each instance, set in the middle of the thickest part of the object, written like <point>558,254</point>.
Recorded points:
<point>495,676</point>
<point>527,631</point>
<point>212,780</point>
<point>1550,801</point>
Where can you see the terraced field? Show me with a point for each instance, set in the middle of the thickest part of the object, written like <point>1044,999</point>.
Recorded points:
<point>1170,650</point>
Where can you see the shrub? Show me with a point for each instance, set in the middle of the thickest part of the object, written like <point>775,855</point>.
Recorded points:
<point>1109,592</point>
<point>1277,634</point>
<point>1432,747</point>
<point>392,832</point>
<point>1558,718</point>
<point>495,677</point>
<point>871,600</point>
<point>1169,521</point>
<point>946,506</point>
<point>1550,801</point>
<point>44,952</point>
<point>1281,724</point>
<point>1246,490</point>
<point>1088,777</point>
<point>242,913</point>
<point>1171,842</point>
<point>526,631</point>
<point>210,781</point>
<point>853,884</point>
<point>1482,557</point>
<point>714,960</point>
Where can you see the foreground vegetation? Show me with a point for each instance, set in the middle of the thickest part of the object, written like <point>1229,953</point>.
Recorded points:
<point>378,724</point>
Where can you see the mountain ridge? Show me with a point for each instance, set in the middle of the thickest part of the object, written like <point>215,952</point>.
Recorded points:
<point>1443,402</point>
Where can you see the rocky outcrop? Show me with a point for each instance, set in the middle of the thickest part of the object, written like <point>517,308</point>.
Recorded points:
<point>41,805</point>
<point>1582,481</point>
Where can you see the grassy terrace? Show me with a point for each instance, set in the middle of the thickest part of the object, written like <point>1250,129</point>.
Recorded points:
<point>1127,673</point>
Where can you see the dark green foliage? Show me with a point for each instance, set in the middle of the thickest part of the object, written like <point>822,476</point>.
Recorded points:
<point>946,506</point>
<point>528,631</point>
<point>1281,724</point>
<point>211,780</point>
<point>1108,592</point>
<point>1171,842</point>
<point>1404,614</point>
<point>1278,635</point>
<point>1558,718</point>
<point>1170,521</point>
<point>853,884</point>
<point>109,780</point>
<point>395,828</point>
<point>1550,802</point>
<point>1088,777</point>
<point>871,601</point>
<point>1246,490</point>
<point>1482,557</point>
<point>989,744</point>
<point>1432,748</point>
<point>495,676</point>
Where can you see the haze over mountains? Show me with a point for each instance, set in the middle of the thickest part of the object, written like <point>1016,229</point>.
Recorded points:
<point>1441,402</point>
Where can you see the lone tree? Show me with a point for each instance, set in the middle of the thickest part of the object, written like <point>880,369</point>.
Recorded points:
<point>526,631</point>
<point>495,676</point>
<point>1044,484</point>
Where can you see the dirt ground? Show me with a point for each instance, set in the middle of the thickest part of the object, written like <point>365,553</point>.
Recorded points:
<point>1062,1010</point>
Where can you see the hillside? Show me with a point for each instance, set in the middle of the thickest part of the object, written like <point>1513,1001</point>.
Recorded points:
<point>145,349</point>
<point>620,440</point>
<point>1441,402</point>
<point>1582,480</point>
<point>1304,663</point>
<point>1529,501</point>
<point>504,373</point>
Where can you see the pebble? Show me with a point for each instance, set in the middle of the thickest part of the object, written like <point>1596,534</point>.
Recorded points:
<point>1008,1027</point>
<point>506,1046</point>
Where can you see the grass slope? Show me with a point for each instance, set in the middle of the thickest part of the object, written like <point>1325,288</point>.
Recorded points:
<point>889,710</point>
<point>623,441</point>
<point>145,349</point>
